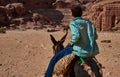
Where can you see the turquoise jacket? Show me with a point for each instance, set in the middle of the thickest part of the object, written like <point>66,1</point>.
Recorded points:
<point>83,37</point>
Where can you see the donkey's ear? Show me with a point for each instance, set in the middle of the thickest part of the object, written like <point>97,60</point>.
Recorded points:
<point>64,37</point>
<point>53,39</point>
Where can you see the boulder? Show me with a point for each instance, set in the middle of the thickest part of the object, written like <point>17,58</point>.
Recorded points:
<point>15,9</point>
<point>40,18</point>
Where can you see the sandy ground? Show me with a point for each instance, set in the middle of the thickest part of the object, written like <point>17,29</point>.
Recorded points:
<point>27,53</point>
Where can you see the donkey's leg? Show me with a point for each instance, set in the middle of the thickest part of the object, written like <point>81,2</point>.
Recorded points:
<point>79,71</point>
<point>95,68</point>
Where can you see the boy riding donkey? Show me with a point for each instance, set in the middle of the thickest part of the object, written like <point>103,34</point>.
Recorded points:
<point>82,42</point>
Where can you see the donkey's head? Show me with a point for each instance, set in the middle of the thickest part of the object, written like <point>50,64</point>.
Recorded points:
<point>58,45</point>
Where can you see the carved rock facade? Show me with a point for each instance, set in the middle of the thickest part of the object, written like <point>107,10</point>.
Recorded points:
<point>111,17</point>
<point>106,18</point>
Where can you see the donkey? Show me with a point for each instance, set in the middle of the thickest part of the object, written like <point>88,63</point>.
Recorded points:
<point>90,68</point>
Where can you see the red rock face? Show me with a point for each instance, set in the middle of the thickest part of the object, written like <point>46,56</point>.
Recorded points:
<point>86,1</point>
<point>31,4</point>
<point>105,15</point>
<point>41,4</point>
<point>3,17</point>
<point>37,4</point>
<point>65,3</point>
<point>3,2</point>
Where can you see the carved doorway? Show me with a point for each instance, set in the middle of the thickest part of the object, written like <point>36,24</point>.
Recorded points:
<point>113,20</point>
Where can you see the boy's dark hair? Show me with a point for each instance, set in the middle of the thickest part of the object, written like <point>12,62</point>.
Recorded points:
<point>76,10</point>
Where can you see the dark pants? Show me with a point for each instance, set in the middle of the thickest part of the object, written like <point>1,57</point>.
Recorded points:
<point>66,51</point>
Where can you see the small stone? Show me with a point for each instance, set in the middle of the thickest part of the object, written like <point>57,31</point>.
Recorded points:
<point>109,46</point>
<point>106,41</point>
<point>108,73</point>
<point>0,64</point>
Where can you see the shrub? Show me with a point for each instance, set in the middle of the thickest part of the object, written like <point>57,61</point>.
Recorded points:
<point>2,30</point>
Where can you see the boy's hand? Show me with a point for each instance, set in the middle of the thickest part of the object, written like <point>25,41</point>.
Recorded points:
<point>69,44</point>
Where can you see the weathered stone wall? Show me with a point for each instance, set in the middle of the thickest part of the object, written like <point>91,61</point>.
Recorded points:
<point>111,17</point>
<point>105,17</point>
